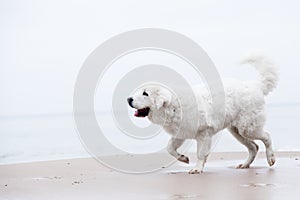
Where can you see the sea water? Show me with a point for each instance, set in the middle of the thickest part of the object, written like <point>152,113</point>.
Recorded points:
<point>51,137</point>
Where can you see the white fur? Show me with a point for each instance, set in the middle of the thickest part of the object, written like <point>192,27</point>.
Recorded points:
<point>244,114</point>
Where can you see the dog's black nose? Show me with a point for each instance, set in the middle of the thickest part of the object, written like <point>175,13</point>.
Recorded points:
<point>130,100</point>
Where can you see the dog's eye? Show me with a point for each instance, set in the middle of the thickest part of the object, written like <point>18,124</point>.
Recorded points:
<point>145,93</point>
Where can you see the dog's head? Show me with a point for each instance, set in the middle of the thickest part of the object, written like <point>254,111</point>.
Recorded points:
<point>147,99</point>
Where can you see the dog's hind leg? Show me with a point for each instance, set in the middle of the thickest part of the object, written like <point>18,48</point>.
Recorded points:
<point>173,145</point>
<point>266,139</point>
<point>251,146</point>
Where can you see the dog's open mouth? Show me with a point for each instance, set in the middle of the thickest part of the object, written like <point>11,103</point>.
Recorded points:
<point>142,112</point>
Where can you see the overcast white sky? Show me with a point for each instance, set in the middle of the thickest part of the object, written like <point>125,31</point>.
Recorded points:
<point>44,43</point>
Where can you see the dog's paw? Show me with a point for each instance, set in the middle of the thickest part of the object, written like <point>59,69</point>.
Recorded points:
<point>184,159</point>
<point>271,159</point>
<point>196,171</point>
<point>242,166</point>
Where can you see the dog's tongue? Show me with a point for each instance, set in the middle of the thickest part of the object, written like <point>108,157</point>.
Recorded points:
<point>136,113</point>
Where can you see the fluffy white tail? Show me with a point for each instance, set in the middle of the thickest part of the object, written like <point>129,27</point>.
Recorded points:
<point>267,71</point>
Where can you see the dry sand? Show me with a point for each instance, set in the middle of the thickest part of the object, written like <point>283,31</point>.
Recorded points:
<point>87,179</point>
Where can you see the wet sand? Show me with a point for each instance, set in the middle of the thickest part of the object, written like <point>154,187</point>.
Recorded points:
<point>85,178</point>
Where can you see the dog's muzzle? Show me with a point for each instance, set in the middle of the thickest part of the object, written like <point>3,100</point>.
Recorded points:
<point>130,100</point>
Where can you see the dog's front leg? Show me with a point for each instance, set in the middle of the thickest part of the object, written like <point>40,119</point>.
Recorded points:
<point>203,149</point>
<point>173,145</point>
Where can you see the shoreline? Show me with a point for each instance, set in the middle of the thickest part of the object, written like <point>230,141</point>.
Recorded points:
<point>212,156</point>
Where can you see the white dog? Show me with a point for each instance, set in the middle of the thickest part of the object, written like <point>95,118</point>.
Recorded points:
<point>244,114</point>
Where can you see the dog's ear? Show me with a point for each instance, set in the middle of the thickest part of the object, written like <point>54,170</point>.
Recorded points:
<point>159,102</point>
<point>162,100</point>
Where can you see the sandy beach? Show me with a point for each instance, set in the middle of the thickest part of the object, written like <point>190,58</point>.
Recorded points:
<point>86,178</point>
